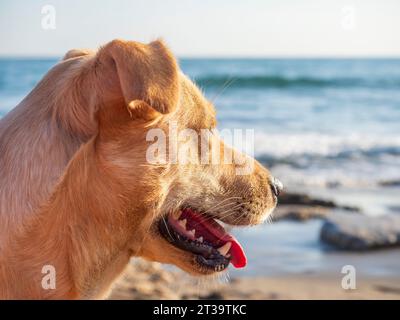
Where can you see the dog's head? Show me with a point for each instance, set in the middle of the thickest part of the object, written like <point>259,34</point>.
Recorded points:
<point>156,138</point>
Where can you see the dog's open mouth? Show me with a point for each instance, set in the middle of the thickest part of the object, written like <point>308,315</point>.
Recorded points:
<point>204,237</point>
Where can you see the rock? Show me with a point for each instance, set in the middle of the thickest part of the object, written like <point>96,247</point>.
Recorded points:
<point>390,183</point>
<point>305,200</point>
<point>360,232</point>
<point>299,212</point>
<point>306,212</point>
<point>394,208</point>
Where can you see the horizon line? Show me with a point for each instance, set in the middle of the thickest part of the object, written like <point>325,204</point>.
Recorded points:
<point>216,57</point>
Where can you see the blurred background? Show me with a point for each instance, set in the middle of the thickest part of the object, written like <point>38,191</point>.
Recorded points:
<point>318,81</point>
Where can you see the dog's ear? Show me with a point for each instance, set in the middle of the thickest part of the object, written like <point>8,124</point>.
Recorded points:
<point>77,53</point>
<point>146,75</point>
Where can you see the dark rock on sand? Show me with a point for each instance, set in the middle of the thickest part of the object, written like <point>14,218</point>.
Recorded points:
<point>303,199</point>
<point>306,200</point>
<point>300,207</point>
<point>360,232</point>
<point>299,212</point>
<point>394,208</point>
<point>303,213</point>
<point>390,183</point>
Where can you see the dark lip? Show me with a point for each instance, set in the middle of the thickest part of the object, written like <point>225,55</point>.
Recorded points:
<point>205,254</point>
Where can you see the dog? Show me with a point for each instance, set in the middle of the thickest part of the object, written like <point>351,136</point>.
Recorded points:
<point>79,197</point>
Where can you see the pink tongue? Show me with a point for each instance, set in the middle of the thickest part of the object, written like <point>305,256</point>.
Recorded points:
<point>216,234</point>
<point>238,257</point>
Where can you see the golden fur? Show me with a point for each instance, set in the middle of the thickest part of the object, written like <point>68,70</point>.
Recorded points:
<point>77,192</point>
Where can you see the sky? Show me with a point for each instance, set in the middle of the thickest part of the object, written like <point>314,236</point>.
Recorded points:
<point>205,28</point>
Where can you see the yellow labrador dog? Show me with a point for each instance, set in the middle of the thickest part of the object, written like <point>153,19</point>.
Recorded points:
<point>79,196</point>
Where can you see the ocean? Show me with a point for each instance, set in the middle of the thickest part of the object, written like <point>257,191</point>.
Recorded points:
<point>317,122</point>
<point>330,127</point>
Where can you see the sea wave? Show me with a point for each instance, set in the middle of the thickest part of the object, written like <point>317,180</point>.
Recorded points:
<point>325,145</point>
<point>330,160</point>
<point>276,81</point>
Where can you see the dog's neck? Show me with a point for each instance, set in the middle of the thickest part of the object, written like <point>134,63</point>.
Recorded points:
<point>35,147</point>
<point>82,233</point>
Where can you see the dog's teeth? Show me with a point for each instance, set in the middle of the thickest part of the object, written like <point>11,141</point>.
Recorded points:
<point>176,214</point>
<point>192,232</point>
<point>225,248</point>
<point>200,239</point>
<point>182,223</point>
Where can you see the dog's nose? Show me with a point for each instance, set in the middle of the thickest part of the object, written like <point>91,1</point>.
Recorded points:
<point>276,186</point>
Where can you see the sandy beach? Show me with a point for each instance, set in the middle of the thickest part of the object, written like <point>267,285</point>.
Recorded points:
<point>287,260</point>
<point>143,280</point>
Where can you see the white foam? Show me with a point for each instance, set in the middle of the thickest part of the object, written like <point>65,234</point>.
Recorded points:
<point>282,145</point>
<point>303,159</point>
